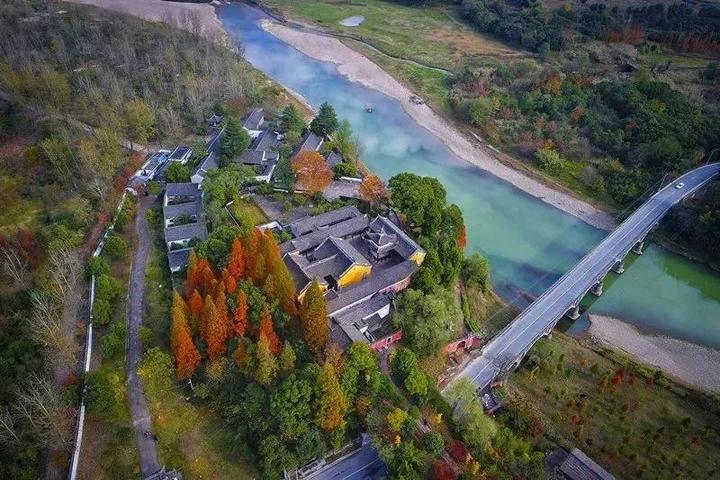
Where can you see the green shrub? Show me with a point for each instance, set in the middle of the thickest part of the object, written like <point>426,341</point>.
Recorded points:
<point>106,394</point>
<point>114,340</point>
<point>115,247</point>
<point>434,443</point>
<point>345,169</point>
<point>476,272</point>
<point>96,266</point>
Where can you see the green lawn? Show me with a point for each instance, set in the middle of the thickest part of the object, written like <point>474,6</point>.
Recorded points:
<point>634,427</point>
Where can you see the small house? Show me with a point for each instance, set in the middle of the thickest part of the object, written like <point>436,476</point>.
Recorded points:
<point>181,154</point>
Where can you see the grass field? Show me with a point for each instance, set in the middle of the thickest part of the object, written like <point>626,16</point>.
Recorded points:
<point>613,410</point>
<point>431,36</point>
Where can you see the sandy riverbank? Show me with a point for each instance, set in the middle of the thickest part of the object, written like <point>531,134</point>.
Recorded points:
<point>197,18</point>
<point>688,362</point>
<point>359,68</point>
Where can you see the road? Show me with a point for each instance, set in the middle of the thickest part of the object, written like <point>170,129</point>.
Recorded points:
<point>142,422</point>
<point>542,315</point>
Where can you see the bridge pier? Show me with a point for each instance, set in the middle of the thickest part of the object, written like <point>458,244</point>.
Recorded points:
<point>638,248</point>
<point>619,267</point>
<point>574,312</point>
<point>597,289</point>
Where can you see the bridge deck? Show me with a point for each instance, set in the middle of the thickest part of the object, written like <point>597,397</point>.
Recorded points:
<point>541,316</point>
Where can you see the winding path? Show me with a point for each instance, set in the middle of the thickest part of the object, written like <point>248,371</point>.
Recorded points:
<point>142,421</point>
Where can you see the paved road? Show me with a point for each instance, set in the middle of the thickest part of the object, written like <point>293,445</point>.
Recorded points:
<point>364,464</point>
<point>542,315</point>
<point>142,423</point>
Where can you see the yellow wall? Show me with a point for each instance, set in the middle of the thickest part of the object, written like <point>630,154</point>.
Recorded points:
<point>418,257</point>
<point>323,288</point>
<point>354,274</point>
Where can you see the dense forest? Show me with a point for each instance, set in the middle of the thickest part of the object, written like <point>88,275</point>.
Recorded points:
<point>76,83</point>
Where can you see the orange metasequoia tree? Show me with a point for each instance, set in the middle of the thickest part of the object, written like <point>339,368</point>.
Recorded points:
<point>196,308</point>
<point>333,403</point>
<point>253,250</point>
<point>313,319</point>
<point>236,261</point>
<point>229,281</point>
<point>313,173</point>
<point>187,357</point>
<point>213,329</point>
<point>372,189</point>
<point>266,329</point>
<point>285,291</point>
<point>240,317</point>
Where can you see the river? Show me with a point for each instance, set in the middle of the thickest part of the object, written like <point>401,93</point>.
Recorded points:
<point>529,244</point>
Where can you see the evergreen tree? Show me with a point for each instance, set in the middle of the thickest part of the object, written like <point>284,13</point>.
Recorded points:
<point>333,403</point>
<point>235,140</point>
<point>291,120</point>
<point>240,317</point>
<point>313,319</point>
<point>187,357</point>
<point>266,364</point>
<point>326,121</point>
<point>236,262</point>
<point>266,329</point>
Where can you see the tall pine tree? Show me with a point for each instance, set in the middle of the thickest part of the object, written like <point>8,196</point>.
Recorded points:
<point>240,316</point>
<point>266,365</point>
<point>332,402</point>
<point>313,319</point>
<point>236,261</point>
<point>213,329</point>
<point>187,357</point>
<point>266,329</point>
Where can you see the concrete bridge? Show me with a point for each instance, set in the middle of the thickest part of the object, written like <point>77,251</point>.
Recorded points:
<point>506,350</point>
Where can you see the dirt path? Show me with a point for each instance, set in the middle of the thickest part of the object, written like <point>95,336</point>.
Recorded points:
<point>358,68</point>
<point>142,422</point>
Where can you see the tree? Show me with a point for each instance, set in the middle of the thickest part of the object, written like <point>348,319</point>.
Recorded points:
<point>291,120</point>
<point>344,142</point>
<point>283,174</point>
<point>196,305</point>
<point>187,357</point>
<point>228,281</point>
<point>213,329</point>
<point>428,321</point>
<point>407,462</point>
<point>236,262</point>
<point>266,366</point>
<point>240,317</point>
<point>312,171</point>
<point>476,272</point>
<point>290,405</point>
<point>477,429</point>
<point>420,199</point>
<point>266,329</point>
<point>372,189</point>
<point>287,357</point>
<point>417,384</point>
<point>253,250</point>
<point>396,418</point>
<point>177,173</point>
<point>235,140</point>
<point>285,291</point>
<point>115,247</point>
<point>313,318</point>
<point>332,402</point>
<point>441,470</point>
<point>139,121</point>
<point>326,122</point>
<point>434,443</point>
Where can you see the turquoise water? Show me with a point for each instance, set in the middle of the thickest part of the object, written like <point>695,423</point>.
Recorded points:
<point>529,243</point>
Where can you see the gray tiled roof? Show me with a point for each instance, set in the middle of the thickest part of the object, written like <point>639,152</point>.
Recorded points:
<point>376,282</point>
<point>253,157</point>
<point>190,208</point>
<point>338,246</point>
<point>188,231</point>
<point>343,229</point>
<point>310,142</point>
<point>266,141</point>
<point>254,119</point>
<point>363,310</point>
<point>308,224</point>
<point>578,466</point>
<point>209,163</point>
<point>180,152</point>
<point>333,159</point>
<point>405,245</point>
<point>295,263</point>
<point>182,190</point>
<point>178,258</point>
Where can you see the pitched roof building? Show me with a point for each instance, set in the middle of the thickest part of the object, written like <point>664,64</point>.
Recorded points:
<point>183,222</point>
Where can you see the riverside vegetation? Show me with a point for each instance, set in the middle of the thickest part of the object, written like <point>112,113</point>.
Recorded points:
<point>603,100</point>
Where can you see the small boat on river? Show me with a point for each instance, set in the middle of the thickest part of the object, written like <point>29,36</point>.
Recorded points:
<point>368,108</point>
